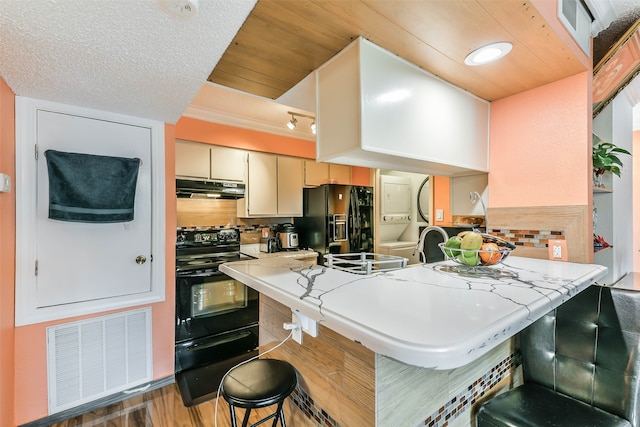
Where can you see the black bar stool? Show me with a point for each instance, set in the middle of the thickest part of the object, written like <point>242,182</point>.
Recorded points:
<point>257,384</point>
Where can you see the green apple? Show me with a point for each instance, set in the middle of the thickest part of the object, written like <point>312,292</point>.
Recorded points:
<point>453,243</point>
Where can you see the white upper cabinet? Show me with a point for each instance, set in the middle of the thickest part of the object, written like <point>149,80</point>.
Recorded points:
<point>198,160</point>
<point>377,110</point>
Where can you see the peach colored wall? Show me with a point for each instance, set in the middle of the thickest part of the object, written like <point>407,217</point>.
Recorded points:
<point>7,256</point>
<point>441,199</point>
<point>214,133</point>
<point>30,393</point>
<point>540,151</point>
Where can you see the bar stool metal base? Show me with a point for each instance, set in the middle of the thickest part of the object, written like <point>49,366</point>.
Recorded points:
<point>258,384</point>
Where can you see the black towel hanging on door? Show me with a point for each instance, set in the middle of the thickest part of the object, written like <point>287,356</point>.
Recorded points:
<point>91,188</point>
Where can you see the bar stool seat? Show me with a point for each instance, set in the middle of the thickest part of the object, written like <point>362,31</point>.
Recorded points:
<point>257,384</point>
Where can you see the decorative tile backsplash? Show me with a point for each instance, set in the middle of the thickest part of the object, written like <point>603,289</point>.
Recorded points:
<point>467,398</point>
<point>306,404</point>
<point>445,414</point>
<point>530,238</point>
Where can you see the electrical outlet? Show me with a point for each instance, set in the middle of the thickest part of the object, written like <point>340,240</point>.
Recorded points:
<point>558,250</point>
<point>306,324</point>
<point>439,214</point>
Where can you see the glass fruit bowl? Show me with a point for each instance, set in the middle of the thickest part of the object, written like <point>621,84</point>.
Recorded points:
<point>475,258</point>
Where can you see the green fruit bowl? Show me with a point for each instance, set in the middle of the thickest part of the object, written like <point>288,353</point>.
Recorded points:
<point>475,258</point>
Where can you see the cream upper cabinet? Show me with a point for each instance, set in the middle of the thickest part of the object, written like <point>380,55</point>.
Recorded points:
<point>197,160</point>
<point>289,186</point>
<point>273,186</point>
<point>227,164</point>
<point>192,159</point>
<point>339,174</point>
<point>317,173</point>
<point>261,192</point>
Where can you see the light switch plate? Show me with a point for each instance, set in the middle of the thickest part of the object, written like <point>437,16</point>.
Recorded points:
<point>5,183</point>
<point>439,214</point>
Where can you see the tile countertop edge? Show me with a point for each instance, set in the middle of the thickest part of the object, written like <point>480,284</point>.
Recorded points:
<point>435,356</point>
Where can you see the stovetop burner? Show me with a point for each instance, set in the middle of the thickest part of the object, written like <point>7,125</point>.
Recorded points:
<point>204,249</point>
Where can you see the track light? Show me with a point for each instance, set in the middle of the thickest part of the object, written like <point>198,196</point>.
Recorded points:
<point>292,123</point>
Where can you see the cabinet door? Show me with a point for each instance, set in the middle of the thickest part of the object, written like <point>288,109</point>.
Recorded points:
<point>261,192</point>
<point>339,174</point>
<point>227,164</point>
<point>192,159</point>
<point>315,173</point>
<point>289,186</point>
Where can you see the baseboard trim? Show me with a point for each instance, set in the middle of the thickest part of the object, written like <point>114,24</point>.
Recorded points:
<point>99,403</point>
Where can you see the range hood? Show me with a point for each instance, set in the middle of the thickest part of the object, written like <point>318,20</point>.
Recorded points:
<point>201,189</point>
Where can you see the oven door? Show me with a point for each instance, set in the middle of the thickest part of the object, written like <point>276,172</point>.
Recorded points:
<point>210,303</point>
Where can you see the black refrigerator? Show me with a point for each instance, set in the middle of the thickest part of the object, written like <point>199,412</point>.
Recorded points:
<point>336,219</point>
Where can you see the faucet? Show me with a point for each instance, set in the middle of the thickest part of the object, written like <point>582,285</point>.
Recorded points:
<point>420,245</point>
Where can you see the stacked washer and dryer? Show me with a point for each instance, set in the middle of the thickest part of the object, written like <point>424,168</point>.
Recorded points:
<point>395,216</point>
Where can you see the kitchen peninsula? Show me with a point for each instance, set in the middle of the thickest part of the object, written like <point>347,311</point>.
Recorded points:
<point>434,330</point>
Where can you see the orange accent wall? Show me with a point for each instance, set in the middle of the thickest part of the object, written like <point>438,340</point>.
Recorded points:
<point>7,256</point>
<point>30,393</point>
<point>228,136</point>
<point>360,176</point>
<point>541,146</point>
<point>441,199</point>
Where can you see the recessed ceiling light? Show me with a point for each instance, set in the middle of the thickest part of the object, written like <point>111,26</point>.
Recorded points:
<point>489,53</point>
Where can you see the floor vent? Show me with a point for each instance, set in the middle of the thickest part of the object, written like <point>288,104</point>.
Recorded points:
<point>96,357</point>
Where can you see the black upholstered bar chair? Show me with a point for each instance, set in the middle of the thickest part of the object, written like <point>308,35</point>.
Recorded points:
<point>581,366</point>
<point>258,384</point>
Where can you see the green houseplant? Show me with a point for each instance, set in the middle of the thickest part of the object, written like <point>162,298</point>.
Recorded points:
<point>605,159</point>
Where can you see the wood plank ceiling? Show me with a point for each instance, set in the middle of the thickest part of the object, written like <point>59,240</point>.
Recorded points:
<point>282,41</point>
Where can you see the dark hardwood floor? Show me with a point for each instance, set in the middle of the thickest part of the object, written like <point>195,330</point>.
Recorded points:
<point>162,408</point>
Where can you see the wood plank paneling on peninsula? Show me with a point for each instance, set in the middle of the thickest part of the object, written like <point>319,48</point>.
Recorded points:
<point>336,373</point>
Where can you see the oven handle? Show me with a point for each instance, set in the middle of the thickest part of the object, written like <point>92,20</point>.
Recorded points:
<point>220,341</point>
<point>188,274</point>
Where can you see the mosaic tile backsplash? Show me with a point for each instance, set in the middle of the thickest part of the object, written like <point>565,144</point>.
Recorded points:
<point>306,404</point>
<point>467,398</point>
<point>529,238</point>
<point>448,412</point>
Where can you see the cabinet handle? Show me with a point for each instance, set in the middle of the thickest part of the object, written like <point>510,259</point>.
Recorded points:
<point>141,259</point>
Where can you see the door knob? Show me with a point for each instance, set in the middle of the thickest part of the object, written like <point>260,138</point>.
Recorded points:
<point>141,259</point>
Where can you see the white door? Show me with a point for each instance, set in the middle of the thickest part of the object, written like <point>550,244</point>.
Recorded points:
<point>79,261</point>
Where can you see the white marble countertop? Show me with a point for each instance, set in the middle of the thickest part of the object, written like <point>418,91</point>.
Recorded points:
<point>253,250</point>
<point>424,315</point>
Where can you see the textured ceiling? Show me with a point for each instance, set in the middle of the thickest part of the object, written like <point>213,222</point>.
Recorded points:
<point>130,57</point>
<point>123,56</point>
